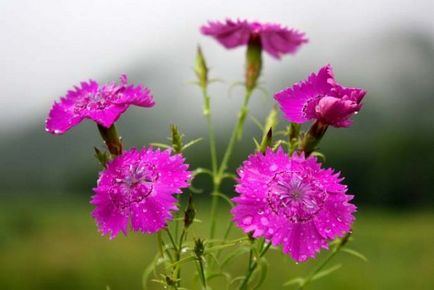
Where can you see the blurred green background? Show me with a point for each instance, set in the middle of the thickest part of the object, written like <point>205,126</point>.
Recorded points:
<point>47,237</point>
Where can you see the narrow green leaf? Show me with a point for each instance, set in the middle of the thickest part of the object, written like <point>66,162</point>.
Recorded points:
<point>191,143</point>
<point>355,254</point>
<point>296,281</point>
<point>257,145</point>
<point>161,145</point>
<point>263,270</point>
<point>320,155</point>
<point>224,197</point>
<point>257,123</point>
<point>238,252</point>
<point>326,272</point>
<point>219,274</point>
<point>201,170</point>
<point>184,261</point>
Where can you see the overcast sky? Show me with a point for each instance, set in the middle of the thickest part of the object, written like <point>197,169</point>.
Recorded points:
<point>48,46</point>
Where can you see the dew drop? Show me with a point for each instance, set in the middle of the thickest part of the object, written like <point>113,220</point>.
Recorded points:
<point>273,167</point>
<point>247,220</point>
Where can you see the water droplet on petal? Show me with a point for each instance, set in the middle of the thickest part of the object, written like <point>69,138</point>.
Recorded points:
<point>247,220</point>
<point>273,167</point>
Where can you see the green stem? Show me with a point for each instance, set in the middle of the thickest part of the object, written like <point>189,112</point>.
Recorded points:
<point>202,273</point>
<point>237,130</point>
<point>336,250</point>
<point>212,146</point>
<point>172,240</point>
<point>253,264</point>
<point>178,257</point>
<point>312,138</point>
<point>111,139</point>
<point>160,244</point>
<point>211,134</point>
<point>224,163</point>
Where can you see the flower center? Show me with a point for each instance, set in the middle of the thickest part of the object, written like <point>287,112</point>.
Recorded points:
<point>98,100</point>
<point>136,184</point>
<point>309,106</point>
<point>294,196</point>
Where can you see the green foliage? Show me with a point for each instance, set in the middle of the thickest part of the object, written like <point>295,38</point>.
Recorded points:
<point>61,241</point>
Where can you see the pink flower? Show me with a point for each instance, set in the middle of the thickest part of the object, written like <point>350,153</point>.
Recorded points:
<point>293,202</point>
<point>103,104</point>
<point>275,39</point>
<point>138,188</point>
<point>321,98</point>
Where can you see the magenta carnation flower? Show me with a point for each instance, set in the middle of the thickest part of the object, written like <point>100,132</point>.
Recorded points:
<point>292,202</point>
<point>137,189</point>
<point>275,39</point>
<point>321,98</point>
<point>102,103</point>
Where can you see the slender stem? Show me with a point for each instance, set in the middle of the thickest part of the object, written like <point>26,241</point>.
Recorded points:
<point>172,240</point>
<point>237,130</point>
<point>162,247</point>
<point>312,138</point>
<point>178,257</point>
<point>111,139</point>
<point>228,230</point>
<point>224,163</point>
<point>336,250</point>
<point>202,273</point>
<point>253,263</point>
<point>213,151</point>
<point>160,244</point>
<point>211,134</point>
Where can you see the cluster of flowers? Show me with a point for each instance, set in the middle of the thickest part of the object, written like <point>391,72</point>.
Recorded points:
<point>288,199</point>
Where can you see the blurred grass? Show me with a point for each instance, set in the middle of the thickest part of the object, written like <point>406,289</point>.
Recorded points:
<point>53,244</point>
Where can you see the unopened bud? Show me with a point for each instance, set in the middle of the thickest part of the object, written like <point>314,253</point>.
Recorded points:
<point>176,139</point>
<point>201,69</point>
<point>267,141</point>
<point>170,281</point>
<point>189,213</point>
<point>199,248</point>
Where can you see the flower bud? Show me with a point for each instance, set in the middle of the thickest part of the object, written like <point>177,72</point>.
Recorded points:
<point>170,281</point>
<point>254,61</point>
<point>201,69</point>
<point>267,141</point>
<point>199,248</point>
<point>189,213</point>
<point>176,139</point>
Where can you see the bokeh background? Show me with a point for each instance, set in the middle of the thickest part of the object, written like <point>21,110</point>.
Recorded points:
<point>47,237</point>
